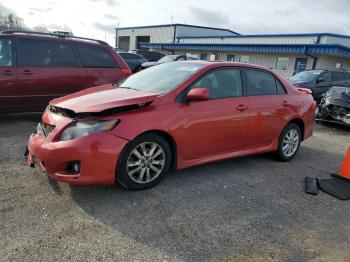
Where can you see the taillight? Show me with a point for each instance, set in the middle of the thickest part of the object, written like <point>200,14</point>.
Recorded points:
<point>126,71</point>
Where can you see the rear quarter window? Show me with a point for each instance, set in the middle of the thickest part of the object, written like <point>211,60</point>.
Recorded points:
<point>95,56</point>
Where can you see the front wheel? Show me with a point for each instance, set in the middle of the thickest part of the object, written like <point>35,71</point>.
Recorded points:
<point>289,142</point>
<point>144,162</point>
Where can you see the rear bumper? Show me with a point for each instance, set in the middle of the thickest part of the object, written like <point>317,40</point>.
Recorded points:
<point>98,154</point>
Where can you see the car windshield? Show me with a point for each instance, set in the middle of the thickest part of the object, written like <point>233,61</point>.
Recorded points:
<point>305,76</point>
<point>161,78</point>
<point>168,58</point>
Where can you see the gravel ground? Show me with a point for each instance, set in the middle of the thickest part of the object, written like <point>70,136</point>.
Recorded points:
<point>246,209</point>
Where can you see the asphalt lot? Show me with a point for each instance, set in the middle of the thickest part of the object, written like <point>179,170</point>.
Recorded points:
<point>246,209</point>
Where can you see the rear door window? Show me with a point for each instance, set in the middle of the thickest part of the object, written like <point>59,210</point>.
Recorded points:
<point>95,56</point>
<point>260,83</point>
<point>6,53</point>
<point>338,76</point>
<point>347,75</point>
<point>280,88</point>
<point>43,53</point>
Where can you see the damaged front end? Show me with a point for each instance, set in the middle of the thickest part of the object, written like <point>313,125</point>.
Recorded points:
<point>335,106</point>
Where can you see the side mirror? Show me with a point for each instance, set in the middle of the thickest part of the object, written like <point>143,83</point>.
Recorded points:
<point>320,80</point>
<point>198,94</point>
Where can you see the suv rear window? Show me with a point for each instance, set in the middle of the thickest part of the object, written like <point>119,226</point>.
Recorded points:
<point>44,53</point>
<point>95,56</point>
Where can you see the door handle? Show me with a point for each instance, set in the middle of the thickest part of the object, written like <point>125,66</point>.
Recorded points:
<point>27,72</point>
<point>285,103</point>
<point>7,73</point>
<point>241,108</point>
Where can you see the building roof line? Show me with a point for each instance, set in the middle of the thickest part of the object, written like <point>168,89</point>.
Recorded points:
<point>178,24</point>
<point>330,49</point>
<point>234,44</point>
<point>267,35</point>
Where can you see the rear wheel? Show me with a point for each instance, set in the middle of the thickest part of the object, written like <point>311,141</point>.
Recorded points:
<point>144,162</point>
<point>289,142</point>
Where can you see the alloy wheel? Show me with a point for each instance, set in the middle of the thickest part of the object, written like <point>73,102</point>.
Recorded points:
<point>145,162</point>
<point>290,142</point>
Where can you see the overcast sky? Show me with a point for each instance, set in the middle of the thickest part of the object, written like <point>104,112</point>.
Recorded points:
<point>98,18</point>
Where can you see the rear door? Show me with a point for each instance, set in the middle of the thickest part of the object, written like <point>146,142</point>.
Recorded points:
<point>270,107</point>
<point>47,69</point>
<point>9,96</point>
<point>100,64</point>
<point>339,78</point>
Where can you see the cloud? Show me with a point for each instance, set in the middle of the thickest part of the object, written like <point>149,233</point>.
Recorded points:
<point>40,10</point>
<point>203,16</point>
<point>111,3</point>
<point>5,11</point>
<point>104,27</point>
<point>109,16</point>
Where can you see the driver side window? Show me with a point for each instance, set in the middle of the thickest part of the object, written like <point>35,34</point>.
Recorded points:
<point>222,83</point>
<point>326,76</point>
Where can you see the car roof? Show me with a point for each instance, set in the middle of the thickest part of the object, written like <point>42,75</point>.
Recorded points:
<point>62,36</point>
<point>326,70</point>
<point>225,64</point>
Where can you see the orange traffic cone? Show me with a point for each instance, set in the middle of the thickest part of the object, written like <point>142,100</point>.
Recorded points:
<point>345,167</point>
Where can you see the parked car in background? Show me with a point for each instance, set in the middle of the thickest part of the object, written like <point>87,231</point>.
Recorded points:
<point>319,81</point>
<point>149,55</point>
<point>134,61</point>
<point>174,115</point>
<point>335,105</point>
<point>167,59</point>
<point>37,67</point>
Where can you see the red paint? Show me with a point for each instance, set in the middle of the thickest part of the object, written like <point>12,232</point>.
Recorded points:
<point>203,131</point>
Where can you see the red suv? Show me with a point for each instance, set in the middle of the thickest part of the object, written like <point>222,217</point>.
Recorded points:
<point>37,67</point>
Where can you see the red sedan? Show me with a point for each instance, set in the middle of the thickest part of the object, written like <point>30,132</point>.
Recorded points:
<point>174,115</point>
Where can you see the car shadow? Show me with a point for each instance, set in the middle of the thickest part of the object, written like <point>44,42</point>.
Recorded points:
<point>220,206</point>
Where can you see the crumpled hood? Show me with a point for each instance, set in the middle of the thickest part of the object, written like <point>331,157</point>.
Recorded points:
<point>338,95</point>
<point>100,98</point>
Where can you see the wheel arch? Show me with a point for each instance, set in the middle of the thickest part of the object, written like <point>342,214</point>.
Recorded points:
<point>299,122</point>
<point>170,140</point>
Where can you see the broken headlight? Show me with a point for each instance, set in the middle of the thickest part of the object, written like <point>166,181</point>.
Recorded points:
<point>84,128</point>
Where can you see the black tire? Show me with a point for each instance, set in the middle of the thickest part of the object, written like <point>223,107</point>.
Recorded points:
<point>280,154</point>
<point>122,176</point>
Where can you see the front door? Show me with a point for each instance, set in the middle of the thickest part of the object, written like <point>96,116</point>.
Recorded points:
<point>300,65</point>
<point>9,97</point>
<point>323,83</point>
<point>218,125</point>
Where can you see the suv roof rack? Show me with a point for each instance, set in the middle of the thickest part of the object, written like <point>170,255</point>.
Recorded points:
<point>59,34</point>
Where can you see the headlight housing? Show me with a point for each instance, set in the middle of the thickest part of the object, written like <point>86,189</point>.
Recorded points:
<point>84,128</point>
